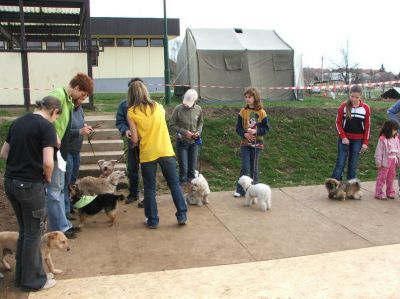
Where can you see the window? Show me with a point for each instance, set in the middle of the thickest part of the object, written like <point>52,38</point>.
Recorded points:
<point>156,42</point>
<point>2,44</point>
<point>54,46</point>
<point>71,45</point>
<point>107,42</point>
<point>123,42</point>
<point>34,45</point>
<point>140,42</point>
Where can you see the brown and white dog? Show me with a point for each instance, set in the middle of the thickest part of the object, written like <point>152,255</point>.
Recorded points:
<point>106,167</point>
<point>50,241</point>
<point>350,189</point>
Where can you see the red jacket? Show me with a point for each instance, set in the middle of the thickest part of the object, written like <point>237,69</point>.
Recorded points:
<point>358,127</point>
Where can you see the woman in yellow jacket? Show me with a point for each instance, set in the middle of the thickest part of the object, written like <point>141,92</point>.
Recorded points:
<point>147,124</point>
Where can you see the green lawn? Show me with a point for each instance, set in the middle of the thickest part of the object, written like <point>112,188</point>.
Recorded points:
<point>300,148</point>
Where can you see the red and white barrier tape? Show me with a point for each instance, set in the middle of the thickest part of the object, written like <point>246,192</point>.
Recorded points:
<point>320,86</point>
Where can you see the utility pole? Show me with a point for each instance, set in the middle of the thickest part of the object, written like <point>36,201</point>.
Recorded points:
<point>322,69</point>
<point>166,59</point>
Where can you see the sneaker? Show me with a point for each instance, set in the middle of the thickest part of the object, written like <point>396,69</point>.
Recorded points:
<point>70,234</point>
<point>130,199</point>
<point>380,198</point>
<point>50,275</point>
<point>49,284</point>
<point>237,194</point>
<point>151,225</point>
<point>182,221</point>
<point>76,229</point>
<point>140,204</point>
<point>391,196</point>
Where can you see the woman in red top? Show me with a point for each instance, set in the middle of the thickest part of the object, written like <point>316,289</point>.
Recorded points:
<point>353,127</point>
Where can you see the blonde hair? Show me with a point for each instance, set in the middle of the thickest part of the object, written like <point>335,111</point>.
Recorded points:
<point>138,96</point>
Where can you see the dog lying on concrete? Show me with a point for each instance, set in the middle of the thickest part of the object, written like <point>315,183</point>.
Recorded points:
<point>91,185</point>
<point>49,241</point>
<point>107,202</point>
<point>199,191</point>
<point>260,193</point>
<point>350,189</point>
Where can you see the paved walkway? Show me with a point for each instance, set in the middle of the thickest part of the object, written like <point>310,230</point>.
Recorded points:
<point>306,246</point>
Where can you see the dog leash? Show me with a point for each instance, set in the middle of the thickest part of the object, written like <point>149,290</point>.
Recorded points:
<point>90,136</point>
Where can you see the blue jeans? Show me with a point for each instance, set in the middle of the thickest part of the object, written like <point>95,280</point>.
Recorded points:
<point>249,165</point>
<point>149,171</point>
<point>29,204</point>
<point>55,202</point>
<point>133,170</point>
<point>352,151</point>
<point>187,159</point>
<point>71,175</point>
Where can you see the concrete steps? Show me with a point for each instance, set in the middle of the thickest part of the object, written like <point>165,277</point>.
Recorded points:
<point>106,143</point>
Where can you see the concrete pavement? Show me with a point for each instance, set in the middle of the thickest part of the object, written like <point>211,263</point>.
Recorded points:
<point>226,243</point>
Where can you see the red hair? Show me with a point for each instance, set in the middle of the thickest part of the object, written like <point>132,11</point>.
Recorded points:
<point>83,81</point>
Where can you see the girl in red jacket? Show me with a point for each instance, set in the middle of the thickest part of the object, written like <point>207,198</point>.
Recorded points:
<point>353,127</point>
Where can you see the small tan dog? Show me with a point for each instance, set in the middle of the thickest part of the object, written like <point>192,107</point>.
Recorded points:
<point>91,185</point>
<point>49,241</point>
<point>350,189</point>
<point>106,167</point>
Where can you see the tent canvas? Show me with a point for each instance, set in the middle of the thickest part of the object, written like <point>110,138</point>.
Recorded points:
<point>220,63</point>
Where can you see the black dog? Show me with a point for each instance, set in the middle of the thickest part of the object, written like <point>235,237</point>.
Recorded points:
<point>106,202</point>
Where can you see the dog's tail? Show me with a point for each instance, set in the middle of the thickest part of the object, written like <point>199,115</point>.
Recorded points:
<point>355,182</point>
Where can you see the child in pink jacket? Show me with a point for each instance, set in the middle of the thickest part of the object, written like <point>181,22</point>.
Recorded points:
<point>387,159</point>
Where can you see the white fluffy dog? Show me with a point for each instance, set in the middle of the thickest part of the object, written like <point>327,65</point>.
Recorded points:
<point>199,191</point>
<point>257,192</point>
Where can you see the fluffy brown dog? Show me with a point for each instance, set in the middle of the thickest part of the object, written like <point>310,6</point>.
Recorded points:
<point>106,167</point>
<point>91,185</point>
<point>49,242</point>
<point>350,189</point>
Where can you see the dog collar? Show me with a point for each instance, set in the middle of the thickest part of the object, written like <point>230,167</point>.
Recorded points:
<point>247,188</point>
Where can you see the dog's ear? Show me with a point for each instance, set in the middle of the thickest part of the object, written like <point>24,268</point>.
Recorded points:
<point>113,162</point>
<point>100,162</point>
<point>52,235</point>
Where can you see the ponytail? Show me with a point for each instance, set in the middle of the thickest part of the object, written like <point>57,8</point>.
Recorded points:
<point>49,103</point>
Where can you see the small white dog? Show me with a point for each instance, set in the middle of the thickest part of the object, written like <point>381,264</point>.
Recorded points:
<point>257,192</point>
<point>199,191</point>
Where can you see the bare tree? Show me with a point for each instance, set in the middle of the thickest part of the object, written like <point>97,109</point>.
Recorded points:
<point>347,69</point>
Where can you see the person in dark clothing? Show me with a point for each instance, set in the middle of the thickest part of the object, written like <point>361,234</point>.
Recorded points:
<point>78,130</point>
<point>29,150</point>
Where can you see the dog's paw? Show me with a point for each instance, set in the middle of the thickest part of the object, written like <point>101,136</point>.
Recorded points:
<point>57,271</point>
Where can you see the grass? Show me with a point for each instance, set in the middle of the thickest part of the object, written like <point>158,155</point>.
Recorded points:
<point>300,149</point>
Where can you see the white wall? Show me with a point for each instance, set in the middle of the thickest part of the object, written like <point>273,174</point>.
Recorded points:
<point>11,77</point>
<point>51,70</point>
<point>120,62</point>
<point>46,72</point>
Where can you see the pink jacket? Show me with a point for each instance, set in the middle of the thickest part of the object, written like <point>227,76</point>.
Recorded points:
<point>382,151</point>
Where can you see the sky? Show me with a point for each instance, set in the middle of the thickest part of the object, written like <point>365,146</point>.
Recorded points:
<point>314,29</point>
